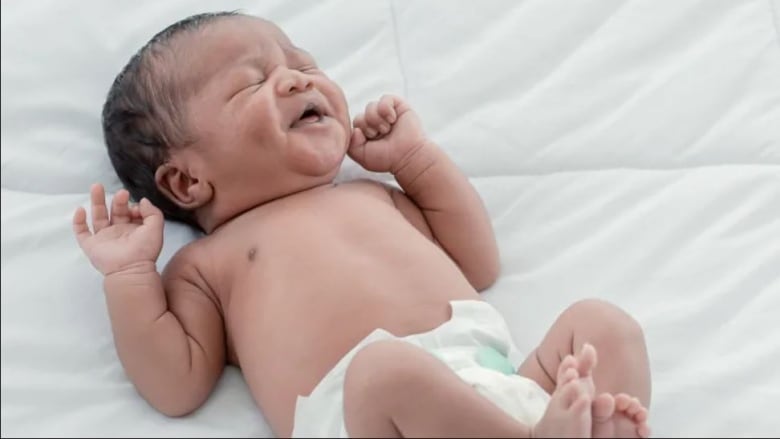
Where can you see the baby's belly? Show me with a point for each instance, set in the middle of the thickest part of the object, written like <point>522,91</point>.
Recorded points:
<point>306,283</point>
<point>288,337</point>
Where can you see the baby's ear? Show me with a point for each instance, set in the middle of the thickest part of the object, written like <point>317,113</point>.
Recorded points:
<point>180,187</point>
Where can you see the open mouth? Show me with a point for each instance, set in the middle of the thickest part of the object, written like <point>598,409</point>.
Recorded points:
<point>312,113</point>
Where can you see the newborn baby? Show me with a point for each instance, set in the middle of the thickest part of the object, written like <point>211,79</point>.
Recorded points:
<point>351,309</point>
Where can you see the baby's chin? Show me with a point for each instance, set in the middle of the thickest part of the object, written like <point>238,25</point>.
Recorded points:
<point>318,162</point>
<point>328,173</point>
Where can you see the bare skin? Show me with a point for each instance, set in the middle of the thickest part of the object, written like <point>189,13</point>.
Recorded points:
<point>295,270</point>
<point>389,398</point>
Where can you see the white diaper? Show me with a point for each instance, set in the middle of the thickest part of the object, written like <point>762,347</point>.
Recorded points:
<point>474,325</point>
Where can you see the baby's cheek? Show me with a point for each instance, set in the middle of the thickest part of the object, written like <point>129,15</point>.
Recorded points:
<point>339,102</point>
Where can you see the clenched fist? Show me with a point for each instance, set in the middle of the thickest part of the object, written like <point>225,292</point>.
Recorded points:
<point>386,135</point>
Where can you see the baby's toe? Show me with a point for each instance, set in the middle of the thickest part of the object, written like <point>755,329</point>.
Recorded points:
<point>643,430</point>
<point>568,363</point>
<point>634,408</point>
<point>569,393</point>
<point>641,415</point>
<point>622,402</point>
<point>603,407</point>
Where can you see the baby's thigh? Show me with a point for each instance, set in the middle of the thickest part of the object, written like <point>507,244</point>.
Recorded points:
<point>388,366</point>
<point>385,376</point>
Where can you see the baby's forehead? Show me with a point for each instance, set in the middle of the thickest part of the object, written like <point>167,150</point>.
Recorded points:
<point>276,34</point>
<point>239,36</point>
<point>222,46</point>
<point>265,28</point>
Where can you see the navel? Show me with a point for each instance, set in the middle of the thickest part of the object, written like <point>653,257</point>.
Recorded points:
<point>251,254</point>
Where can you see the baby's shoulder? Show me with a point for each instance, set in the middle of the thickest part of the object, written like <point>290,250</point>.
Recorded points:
<point>188,271</point>
<point>187,259</point>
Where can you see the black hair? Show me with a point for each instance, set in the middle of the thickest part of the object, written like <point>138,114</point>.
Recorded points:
<point>144,115</point>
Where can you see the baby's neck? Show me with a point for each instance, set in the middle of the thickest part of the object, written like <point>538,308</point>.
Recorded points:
<point>214,216</point>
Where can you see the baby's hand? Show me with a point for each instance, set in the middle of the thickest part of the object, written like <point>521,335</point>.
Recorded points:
<point>387,134</point>
<point>130,239</point>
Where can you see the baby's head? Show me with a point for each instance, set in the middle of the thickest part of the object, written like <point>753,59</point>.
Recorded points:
<point>219,113</point>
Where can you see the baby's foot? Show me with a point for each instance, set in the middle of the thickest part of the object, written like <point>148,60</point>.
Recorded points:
<point>568,413</point>
<point>619,416</point>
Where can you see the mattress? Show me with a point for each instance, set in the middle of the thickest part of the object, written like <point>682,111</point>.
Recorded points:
<point>626,150</point>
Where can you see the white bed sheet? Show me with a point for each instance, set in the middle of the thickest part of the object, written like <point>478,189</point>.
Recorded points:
<point>626,150</point>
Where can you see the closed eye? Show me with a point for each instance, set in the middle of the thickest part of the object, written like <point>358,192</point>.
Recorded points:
<point>252,87</point>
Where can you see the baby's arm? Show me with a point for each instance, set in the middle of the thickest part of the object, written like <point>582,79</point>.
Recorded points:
<point>168,334</point>
<point>450,204</point>
<point>171,345</point>
<point>454,211</point>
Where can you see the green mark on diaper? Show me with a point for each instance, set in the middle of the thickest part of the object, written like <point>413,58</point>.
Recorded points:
<point>490,358</point>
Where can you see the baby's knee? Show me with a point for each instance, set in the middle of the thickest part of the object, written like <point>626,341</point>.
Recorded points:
<point>609,323</point>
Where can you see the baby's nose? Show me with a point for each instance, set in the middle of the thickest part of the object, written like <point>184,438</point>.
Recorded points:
<point>292,81</point>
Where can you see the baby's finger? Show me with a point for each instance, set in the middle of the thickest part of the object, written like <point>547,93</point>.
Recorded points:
<point>357,139</point>
<point>386,108</point>
<point>135,214</point>
<point>80,227</point>
<point>376,124</point>
<point>98,208</point>
<point>151,214</point>
<point>360,122</point>
<point>120,211</point>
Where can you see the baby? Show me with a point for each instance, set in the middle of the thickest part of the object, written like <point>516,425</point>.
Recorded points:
<point>352,308</point>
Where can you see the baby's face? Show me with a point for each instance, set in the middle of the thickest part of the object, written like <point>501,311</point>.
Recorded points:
<point>267,121</point>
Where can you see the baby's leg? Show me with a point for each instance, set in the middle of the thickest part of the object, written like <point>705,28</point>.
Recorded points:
<point>623,363</point>
<point>394,389</point>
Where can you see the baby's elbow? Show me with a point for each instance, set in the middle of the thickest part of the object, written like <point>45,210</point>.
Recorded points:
<point>483,284</point>
<point>484,278</point>
<point>175,411</point>
<point>177,401</point>
<point>178,407</point>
